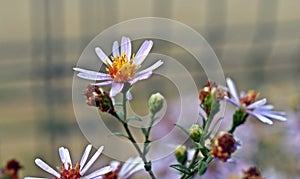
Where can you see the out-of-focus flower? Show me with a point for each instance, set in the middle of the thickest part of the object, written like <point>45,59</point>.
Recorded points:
<point>181,154</point>
<point>11,170</point>
<point>155,102</point>
<point>122,67</point>
<point>195,132</point>
<point>131,166</point>
<point>248,103</point>
<point>76,171</point>
<point>252,173</point>
<point>223,146</point>
<point>95,96</point>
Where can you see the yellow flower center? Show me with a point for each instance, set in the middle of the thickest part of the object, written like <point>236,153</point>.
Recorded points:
<point>122,69</point>
<point>70,173</point>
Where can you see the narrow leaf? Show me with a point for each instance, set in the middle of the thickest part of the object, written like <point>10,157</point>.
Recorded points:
<point>181,168</point>
<point>144,130</point>
<point>135,118</point>
<point>119,134</point>
<point>182,128</point>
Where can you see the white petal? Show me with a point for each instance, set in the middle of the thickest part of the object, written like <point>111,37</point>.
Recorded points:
<point>141,77</point>
<point>131,166</point>
<point>260,117</point>
<point>116,88</point>
<point>85,155</point>
<point>257,104</point>
<point>114,165</point>
<point>103,57</point>
<point>232,90</point>
<point>143,52</point>
<point>68,157</point>
<point>46,167</point>
<point>115,49</point>
<point>128,95</point>
<point>34,178</point>
<point>152,67</point>
<point>62,156</point>
<point>93,77</point>
<point>98,172</point>
<point>102,83</point>
<point>126,46</point>
<point>89,72</point>
<point>265,108</point>
<point>92,160</point>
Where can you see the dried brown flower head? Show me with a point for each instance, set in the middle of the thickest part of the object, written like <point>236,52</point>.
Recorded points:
<point>223,146</point>
<point>95,96</point>
<point>252,173</point>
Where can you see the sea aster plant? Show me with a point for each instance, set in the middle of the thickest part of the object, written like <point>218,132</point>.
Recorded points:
<point>76,171</point>
<point>248,103</point>
<point>131,166</point>
<point>122,67</point>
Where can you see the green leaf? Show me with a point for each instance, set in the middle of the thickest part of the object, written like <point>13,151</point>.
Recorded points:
<point>120,114</point>
<point>119,134</point>
<point>147,147</point>
<point>144,130</point>
<point>202,167</point>
<point>204,151</point>
<point>181,168</point>
<point>135,118</point>
<point>183,129</point>
<point>118,104</point>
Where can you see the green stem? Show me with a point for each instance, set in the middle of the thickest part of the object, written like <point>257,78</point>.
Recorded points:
<point>133,141</point>
<point>235,125</point>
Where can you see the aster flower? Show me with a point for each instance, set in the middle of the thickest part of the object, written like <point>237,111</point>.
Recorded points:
<point>122,67</point>
<point>69,171</point>
<point>248,103</point>
<point>131,166</point>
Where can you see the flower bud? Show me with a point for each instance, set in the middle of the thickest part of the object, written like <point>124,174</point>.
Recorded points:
<point>196,132</point>
<point>252,173</point>
<point>181,154</point>
<point>155,102</point>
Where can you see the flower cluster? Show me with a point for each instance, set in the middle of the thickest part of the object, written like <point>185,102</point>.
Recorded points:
<point>11,170</point>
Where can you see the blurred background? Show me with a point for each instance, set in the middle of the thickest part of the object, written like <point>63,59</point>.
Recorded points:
<point>257,43</point>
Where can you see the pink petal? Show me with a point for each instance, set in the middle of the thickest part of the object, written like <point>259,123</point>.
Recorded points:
<point>152,67</point>
<point>260,117</point>
<point>102,83</point>
<point>89,72</point>
<point>92,160</point>
<point>115,49</point>
<point>129,95</point>
<point>98,173</point>
<point>93,77</point>
<point>141,77</point>
<point>85,155</point>
<point>257,104</point>
<point>116,88</point>
<point>126,46</point>
<point>103,57</point>
<point>232,90</point>
<point>143,52</point>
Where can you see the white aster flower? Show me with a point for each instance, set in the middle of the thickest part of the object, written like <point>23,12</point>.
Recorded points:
<point>131,166</point>
<point>68,171</point>
<point>122,66</point>
<point>257,109</point>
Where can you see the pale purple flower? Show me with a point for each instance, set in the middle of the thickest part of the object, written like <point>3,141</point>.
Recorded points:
<point>78,170</point>
<point>122,66</point>
<point>131,166</point>
<point>257,109</point>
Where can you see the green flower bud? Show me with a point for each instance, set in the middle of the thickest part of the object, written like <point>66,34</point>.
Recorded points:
<point>181,154</point>
<point>196,132</point>
<point>155,102</point>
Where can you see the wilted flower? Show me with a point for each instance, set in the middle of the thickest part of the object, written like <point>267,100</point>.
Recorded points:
<point>11,170</point>
<point>131,166</point>
<point>252,173</point>
<point>122,67</point>
<point>95,96</point>
<point>223,146</point>
<point>257,109</point>
<point>69,171</point>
